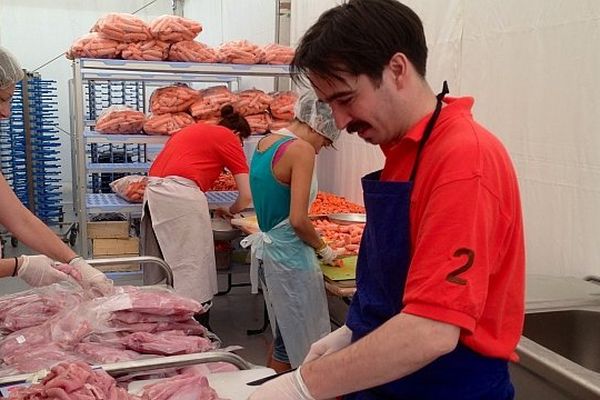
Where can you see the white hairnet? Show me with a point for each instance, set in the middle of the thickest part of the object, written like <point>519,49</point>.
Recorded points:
<point>10,70</point>
<point>316,114</point>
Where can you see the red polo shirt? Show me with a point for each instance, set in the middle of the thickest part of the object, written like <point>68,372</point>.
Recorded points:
<point>199,152</point>
<point>468,256</point>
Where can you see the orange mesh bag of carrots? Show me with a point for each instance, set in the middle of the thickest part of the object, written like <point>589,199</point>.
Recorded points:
<point>172,28</point>
<point>327,203</point>
<point>94,45</point>
<point>148,50</point>
<point>241,52</point>
<point>120,119</point>
<point>277,54</point>
<point>167,124</point>
<point>172,99</point>
<point>122,27</point>
<point>282,106</point>
<point>252,101</point>
<point>259,123</point>
<point>211,101</point>
<point>130,188</point>
<point>225,182</point>
<point>209,121</point>
<point>191,51</point>
<point>277,124</point>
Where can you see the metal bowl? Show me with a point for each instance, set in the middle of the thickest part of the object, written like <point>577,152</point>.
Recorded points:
<point>348,218</point>
<point>223,230</point>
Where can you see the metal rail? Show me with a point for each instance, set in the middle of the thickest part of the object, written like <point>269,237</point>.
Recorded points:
<point>139,260</point>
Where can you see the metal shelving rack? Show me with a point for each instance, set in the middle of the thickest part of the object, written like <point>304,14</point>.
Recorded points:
<point>134,77</point>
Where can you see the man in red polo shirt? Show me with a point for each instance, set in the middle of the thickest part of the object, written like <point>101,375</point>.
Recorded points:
<point>440,278</point>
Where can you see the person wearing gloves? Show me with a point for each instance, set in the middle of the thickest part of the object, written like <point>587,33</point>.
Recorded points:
<point>283,183</point>
<point>36,270</point>
<point>176,223</point>
<point>439,305</point>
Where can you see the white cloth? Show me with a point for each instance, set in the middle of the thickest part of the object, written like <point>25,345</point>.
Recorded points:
<point>180,220</point>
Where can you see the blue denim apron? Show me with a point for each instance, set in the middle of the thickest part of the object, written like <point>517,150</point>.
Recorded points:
<point>383,262</point>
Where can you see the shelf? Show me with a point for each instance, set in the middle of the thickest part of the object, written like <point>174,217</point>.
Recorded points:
<point>114,138</point>
<point>131,67</point>
<point>97,203</point>
<point>138,167</point>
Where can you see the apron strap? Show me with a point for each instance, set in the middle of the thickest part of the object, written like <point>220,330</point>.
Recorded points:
<point>429,128</point>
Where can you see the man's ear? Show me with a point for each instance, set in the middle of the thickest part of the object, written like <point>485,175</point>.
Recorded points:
<point>398,66</point>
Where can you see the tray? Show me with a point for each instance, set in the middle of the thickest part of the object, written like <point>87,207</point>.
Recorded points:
<point>348,218</point>
<point>346,272</point>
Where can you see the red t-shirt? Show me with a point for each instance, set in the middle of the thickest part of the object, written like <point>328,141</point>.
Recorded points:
<point>199,152</point>
<point>467,243</point>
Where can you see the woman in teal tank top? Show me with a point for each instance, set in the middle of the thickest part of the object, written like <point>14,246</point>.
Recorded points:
<point>288,248</point>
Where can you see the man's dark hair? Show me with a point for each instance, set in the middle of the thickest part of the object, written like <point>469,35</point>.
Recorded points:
<point>234,121</point>
<point>360,37</point>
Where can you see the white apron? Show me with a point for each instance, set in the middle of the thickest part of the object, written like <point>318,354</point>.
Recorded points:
<point>179,223</point>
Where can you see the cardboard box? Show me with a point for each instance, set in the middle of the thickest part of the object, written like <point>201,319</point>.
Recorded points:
<point>108,230</point>
<point>115,247</point>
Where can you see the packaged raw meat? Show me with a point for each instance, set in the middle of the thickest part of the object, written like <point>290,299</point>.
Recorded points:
<point>94,45</point>
<point>172,99</point>
<point>122,27</point>
<point>225,182</point>
<point>211,101</point>
<point>191,51</point>
<point>186,386</point>
<point>148,50</point>
<point>167,124</point>
<point>241,52</point>
<point>172,28</point>
<point>277,54</point>
<point>120,119</point>
<point>282,105</point>
<point>130,188</point>
<point>252,101</point>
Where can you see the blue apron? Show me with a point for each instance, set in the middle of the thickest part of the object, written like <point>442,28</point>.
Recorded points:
<point>383,263</point>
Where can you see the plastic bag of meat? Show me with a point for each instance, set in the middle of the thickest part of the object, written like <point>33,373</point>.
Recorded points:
<point>167,124</point>
<point>120,119</point>
<point>191,51</point>
<point>282,106</point>
<point>94,45</point>
<point>130,188</point>
<point>252,101</point>
<point>259,123</point>
<point>211,101</point>
<point>277,54</point>
<point>172,99</point>
<point>148,50</point>
<point>225,182</point>
<point>241,52</point>
<point>172,28</point>
<point>122,27</point>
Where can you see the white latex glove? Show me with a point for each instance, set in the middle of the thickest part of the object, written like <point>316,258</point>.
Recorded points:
<point>40,271</point>
<point>286,387</point>
<point>327,255</point>
<point>331,343</point>
<point>91,277</point>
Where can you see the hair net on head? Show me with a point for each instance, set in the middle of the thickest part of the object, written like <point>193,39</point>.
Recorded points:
<point>316,114</point>
<point>10,70</point>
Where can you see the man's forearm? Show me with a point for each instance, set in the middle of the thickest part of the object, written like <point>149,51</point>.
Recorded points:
<point>398,348</point>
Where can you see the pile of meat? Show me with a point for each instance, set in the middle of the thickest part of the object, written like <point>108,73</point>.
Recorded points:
<point>168,37</point>
<point>177,106</point>
<point>345,238</point>
<point>64,323</point>
<point>328,203</point>
<point>78,381</point>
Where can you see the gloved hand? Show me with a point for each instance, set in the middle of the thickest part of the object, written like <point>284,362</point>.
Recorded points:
<point>327,255</point>
<point>40,271</point>
<point>92,277</point>
<point>286,387</point>
<point>331,343</point>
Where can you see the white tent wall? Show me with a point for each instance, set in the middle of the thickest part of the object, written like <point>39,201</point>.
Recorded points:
<point>532,68</point>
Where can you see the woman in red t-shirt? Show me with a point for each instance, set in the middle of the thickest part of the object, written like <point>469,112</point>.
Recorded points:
<point>176,220</point>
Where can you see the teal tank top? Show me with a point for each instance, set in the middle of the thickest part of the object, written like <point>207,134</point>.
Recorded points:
<point>271,198</point>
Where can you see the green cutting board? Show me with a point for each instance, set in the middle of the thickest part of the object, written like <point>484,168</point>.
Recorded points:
<point>344,273</point>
